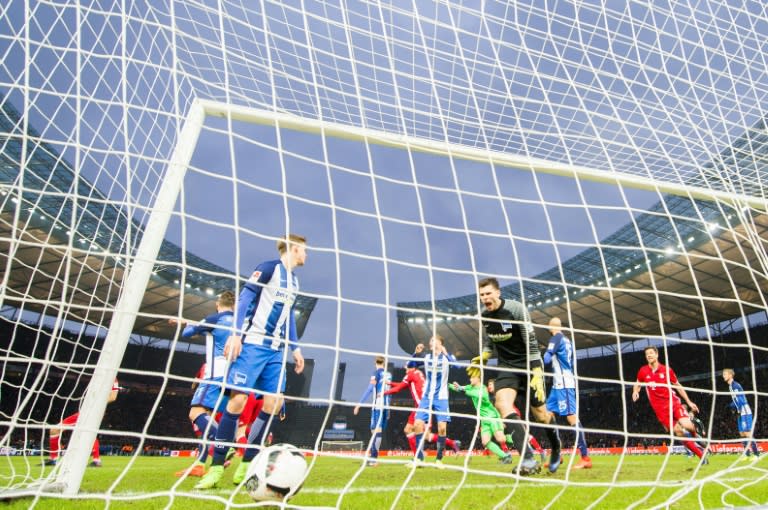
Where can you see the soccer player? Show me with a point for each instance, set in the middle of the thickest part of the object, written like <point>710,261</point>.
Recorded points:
<point>380,380</point>
<point>741,406</point>
<point>533,443</point>
<point>562,396</point>
<point>659,381</point>
<point>414,380</point>
<point>435,399</point>
<point>491,426</point>
<point>264,324</point>
<point>508,329</point>
<point>54,442</point>
<point>208,398</point>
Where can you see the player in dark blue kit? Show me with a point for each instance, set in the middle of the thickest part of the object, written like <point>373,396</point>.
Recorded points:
<point>264,324</point>
<point>208,398</point>
<point>380,380</point>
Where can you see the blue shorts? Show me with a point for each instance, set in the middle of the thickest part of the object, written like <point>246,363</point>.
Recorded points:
<point>745,423</point>
<point>438,409</point>
<point>257,368</point>
<point>379,418</point>
<point>562,401</point>
<point>207,395</point>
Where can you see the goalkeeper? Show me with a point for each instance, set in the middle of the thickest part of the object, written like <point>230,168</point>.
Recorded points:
<point>491,426</point>
<point>508,329</point>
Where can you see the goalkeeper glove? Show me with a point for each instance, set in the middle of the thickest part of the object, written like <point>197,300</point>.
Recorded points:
<point>474,368</point>
<point>537,384</point>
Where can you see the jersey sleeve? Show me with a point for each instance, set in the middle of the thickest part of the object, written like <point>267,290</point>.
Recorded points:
<point>206,325</point>
<point>672,376</point>
<point>251,291</point>
<point>526,330</point>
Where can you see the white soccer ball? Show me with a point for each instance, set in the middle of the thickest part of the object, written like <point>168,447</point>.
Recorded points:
<point>276,473</point>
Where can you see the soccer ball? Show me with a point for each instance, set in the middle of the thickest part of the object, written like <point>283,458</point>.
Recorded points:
<point>276,473</point>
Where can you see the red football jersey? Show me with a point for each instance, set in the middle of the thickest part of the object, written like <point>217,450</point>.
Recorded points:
<point>658,385</point>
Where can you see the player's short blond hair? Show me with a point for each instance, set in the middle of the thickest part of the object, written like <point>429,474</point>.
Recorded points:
<point>729,371</point>
<point>283,243</point>
<point>227,299</point>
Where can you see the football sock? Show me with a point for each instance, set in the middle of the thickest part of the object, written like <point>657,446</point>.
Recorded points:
<point>256,436</point>
<point>581,440</point>
<point>201,422</point>
<point>411,441</point>
<point>440,446</point>
<point>494,448</point>
<point>375,445</point>
<point>53,444</point>
<point>224,434</point>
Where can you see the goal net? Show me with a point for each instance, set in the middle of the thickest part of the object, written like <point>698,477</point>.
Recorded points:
<point>606,163</point>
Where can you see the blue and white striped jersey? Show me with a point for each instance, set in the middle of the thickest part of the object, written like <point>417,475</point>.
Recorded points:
<point>216,328</point>
<point>739,399</point>
<point>560,354</point>
<point>436,370</point>
<point>265,307</point>
<point>379,383</point>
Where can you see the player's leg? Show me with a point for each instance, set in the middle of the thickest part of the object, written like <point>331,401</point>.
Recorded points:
<point>682,425</point>
<point>54,440</point>
<point>442,431</point>
<point>422,417</point>
<point>378,423</point>
<point>585,462</point>
<point>506,393</point>
<point>495,429</point>
<point>410,433</point>
<point>745,431</point>
<point>95,454</point>
<point>540,414</point>
<point>241,378</point>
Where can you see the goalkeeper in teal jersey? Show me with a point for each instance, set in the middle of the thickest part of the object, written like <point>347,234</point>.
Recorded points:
<point>491,425</point>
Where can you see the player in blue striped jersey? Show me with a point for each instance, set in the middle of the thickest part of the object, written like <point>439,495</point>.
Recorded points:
<point>434,402</point>
<point>264,325</point>
<point>377,387</point>
<point>740,405</point>
<point>562,396</point>
<point>208,398</point>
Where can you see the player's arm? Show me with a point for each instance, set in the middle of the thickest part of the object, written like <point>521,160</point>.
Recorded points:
<point>456,387</point>
<point>636,391</point>
<point>248,295</point>
<point>552,347</point>
<point>368,392</point>
<point>534,355</point>
<point>681,391</point>
<point>396,387</point>
<point>298,357</point>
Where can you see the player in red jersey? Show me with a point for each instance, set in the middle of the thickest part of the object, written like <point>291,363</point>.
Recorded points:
<point>659,381</point>
<point>54,442</point>
<point>414,381</point>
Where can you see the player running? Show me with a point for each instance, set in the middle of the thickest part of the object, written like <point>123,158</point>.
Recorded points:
<point>659,381</point>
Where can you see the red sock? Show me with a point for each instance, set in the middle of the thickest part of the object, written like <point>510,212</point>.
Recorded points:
<point>412,441</point>
<point>694,448</point>
<point>243,441</point>
<point>450,443</point>
<point>53,444</point>
<point>504,447</point>
<point>535,444</point>
<point>95,450</point>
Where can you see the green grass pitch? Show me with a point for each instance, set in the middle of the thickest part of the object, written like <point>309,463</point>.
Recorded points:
<point>150,483</point>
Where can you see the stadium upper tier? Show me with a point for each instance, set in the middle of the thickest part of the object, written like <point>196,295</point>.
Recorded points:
<point>65,245</point>
<point>682,264</point>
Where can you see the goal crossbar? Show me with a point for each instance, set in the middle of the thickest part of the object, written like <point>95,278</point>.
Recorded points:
<point>463,152</point>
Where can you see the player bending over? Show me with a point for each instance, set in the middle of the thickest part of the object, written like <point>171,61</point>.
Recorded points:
<point>54,442</point>
<point>491,425</point>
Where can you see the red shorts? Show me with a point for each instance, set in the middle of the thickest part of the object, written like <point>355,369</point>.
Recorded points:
<point>70,420</point>
<point>251,410</point>
<point>663,415</point>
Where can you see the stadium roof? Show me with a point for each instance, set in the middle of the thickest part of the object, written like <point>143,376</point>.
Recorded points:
<point>684,257</point>
<point>82,278</point>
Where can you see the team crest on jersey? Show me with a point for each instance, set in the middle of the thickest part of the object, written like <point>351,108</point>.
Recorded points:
<point>255,277</point>
<point>239,378</point>
<point>506,325</point>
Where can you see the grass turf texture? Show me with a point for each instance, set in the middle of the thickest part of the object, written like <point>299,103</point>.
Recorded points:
<point>148,482</point>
